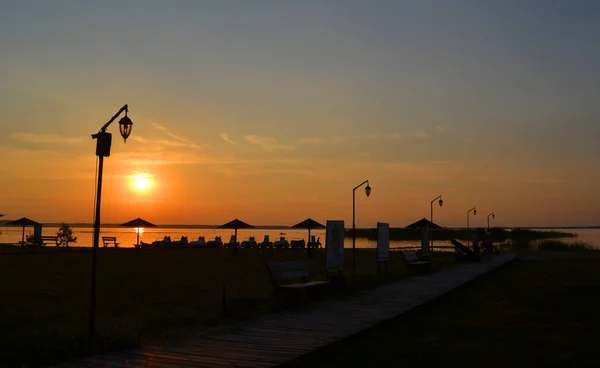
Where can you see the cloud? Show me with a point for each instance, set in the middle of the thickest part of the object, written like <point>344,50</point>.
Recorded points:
<point>164,142</point>
<point>226,138</point>
<point>268,143</point>
<point>187,143</point>
<point>420,135</point>
<point>311,140</point>
<point>45,138</point>
<point>439,128</point>
<point>376,137</point>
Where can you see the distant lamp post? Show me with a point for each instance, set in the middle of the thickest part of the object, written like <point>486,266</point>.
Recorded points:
<point>441,202</point>
<point>103,142</point>
<point>488,218</point>
<point>468,212</point>
<point>368,193</point>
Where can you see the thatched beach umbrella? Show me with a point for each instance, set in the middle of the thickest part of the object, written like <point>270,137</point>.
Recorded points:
<point>236,224</point>
<point>422,223</point>
<point>23,221</point>
<point>138,223</point>
<point>308,224</point>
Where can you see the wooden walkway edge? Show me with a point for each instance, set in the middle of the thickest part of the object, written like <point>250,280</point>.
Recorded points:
<point>277,338</point>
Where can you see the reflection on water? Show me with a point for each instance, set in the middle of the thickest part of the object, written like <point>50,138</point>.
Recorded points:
<point>127,236</point>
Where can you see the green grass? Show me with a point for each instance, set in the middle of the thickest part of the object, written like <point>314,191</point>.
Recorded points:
<point>143,295</point>
<point>528,314</point>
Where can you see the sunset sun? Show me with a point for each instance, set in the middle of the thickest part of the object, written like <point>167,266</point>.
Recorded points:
<point>141,182</point>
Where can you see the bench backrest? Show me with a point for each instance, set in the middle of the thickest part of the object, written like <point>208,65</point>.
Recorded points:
<point>49,237</point>
<point>288,270</point>
<point>109,238</point>
<point>410,255</point>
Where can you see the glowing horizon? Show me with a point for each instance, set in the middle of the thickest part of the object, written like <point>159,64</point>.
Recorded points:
<point>272,113</point>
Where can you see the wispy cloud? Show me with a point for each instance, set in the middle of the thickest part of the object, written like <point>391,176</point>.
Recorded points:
<point>185,141</point>
<point>385,136</point>
<point>226,138</point>
<point>420,135</point>
<point>45,138</point>
<point>268,143</point>
<point>439,128</point>
<point>311,140</point>
<point>158,142</point>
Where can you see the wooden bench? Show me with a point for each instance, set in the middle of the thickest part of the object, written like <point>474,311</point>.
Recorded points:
<point>297,271</point>
<point>413,262</point>
<point>45,239</point>
<point>107,240</point>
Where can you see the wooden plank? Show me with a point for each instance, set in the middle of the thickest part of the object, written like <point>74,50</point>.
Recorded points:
<point>193,360</point>
<point>213,350</point>
<point>275,339</point>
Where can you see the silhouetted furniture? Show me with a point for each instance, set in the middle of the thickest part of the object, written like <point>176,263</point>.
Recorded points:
<point>232,242</point>
<point>414,263</point>
<point>108,240</point>
<point>266,243</point>
<point>296,271</point>
<point>180,243</point>
<point>49,239</point>
<point>463,253</point>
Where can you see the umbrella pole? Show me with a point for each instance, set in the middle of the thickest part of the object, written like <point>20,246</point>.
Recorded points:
<point>235,236</point>
<point>23,236</point>
<point>308,237</point>
<point>138,236</point>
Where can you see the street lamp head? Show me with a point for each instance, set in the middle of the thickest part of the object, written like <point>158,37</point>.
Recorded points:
<point>441,202</point>
<point>474,211</point>
<point>368,190</point>
<point>125,125</point>
<point>493,215</point>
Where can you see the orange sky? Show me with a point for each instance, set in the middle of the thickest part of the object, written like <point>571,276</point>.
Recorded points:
<point>273,113</point>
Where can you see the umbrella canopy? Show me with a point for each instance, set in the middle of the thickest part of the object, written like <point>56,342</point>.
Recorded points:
<point>236,224</point>
<point>421,223</point>
<point>137,223</point>
<point>308,224</point>
<point>23,221</point>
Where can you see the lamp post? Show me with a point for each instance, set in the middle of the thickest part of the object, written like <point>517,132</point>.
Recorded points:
<point>103,142</point>
<point>488,218</point>
<point>368,193</point>
<point>468,212</point>
<point>441,202</point>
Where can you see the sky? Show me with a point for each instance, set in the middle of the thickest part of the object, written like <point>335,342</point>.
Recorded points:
<point>273,111</point>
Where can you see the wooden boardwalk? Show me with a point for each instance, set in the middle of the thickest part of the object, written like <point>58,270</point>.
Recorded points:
<point>277,338</point>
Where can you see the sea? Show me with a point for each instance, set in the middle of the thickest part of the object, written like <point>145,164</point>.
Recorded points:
<point>127,237</point>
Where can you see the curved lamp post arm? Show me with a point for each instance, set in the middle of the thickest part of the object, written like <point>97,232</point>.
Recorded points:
<point>124,108</point>
<point>361,184</point>
<point>431,220</point>
<point>468,212</point>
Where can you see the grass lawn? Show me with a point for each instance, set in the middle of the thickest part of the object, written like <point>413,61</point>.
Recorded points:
<point>142,294</point>
<point>534,313</point>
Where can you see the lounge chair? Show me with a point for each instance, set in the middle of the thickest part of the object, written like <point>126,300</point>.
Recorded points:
<point>266,243</point>
<point>216,242</point>
<point>179,243</point>
<point>250,243</point>
<point>232,242</point>
<point>200,241</point>
<point>463,252</point>
<point>297,243</point>
<point>157,243</point>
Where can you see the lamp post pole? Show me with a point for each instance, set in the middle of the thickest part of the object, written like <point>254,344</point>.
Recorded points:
<point>441,201</point>
<point>103,143</point>
<point>368,193</point>
<point>488,218</point>
<point>468,212</point>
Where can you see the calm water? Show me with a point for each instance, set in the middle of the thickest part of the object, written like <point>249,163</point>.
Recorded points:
<point>127,237</point>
